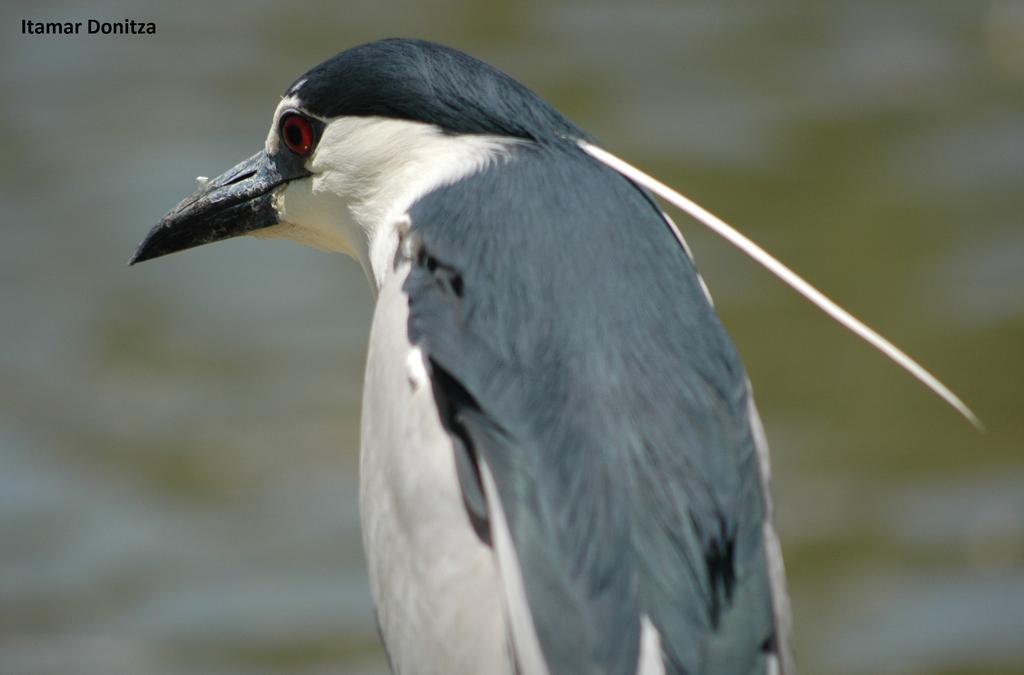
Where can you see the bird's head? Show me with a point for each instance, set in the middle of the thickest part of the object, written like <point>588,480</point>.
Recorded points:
<point>354,142</point>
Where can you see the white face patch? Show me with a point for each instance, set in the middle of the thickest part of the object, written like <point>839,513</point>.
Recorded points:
<point>367,172</point>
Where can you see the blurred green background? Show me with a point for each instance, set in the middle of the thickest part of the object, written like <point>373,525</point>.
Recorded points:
<point>178,440</point>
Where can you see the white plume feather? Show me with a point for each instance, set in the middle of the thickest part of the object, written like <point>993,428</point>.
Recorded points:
<point>795,281</point>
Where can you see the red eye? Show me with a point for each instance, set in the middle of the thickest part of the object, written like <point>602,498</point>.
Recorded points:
<point>297,134</point>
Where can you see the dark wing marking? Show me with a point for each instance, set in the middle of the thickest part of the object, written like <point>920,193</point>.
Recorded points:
<point>453,401</point>
<point>574,353</point>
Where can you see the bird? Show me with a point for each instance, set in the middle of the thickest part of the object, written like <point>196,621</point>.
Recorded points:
<point>562,468</point>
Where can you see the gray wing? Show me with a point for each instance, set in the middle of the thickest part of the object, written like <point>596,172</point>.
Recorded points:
<point>582,371</point>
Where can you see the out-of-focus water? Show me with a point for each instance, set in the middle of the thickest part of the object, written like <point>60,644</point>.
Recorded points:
<point>178,440</point>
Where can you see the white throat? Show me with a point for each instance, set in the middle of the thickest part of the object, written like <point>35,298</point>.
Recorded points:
<point>367,172</point>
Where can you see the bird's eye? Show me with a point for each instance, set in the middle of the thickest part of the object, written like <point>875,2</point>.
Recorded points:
<point>297,134</point>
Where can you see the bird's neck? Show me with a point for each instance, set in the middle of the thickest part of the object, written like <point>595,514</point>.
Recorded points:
<point>368,174</point>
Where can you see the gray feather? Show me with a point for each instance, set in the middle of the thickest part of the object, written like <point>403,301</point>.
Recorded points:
<point>603,393</point>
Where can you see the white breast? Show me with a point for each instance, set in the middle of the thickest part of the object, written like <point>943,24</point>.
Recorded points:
<point>435,584</point>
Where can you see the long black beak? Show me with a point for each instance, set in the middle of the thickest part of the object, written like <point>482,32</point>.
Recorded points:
<point>238,201</point>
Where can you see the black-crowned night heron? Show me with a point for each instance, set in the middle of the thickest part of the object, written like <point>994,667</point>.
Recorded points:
<point>562,468</point>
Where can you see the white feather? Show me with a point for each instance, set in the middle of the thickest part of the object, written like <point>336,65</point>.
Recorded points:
<point>686,248</point>
<point>773,265</point>
<point>652,662</point>
<point>781,662</point>
<point>527,647</point>
<point>416,369</point>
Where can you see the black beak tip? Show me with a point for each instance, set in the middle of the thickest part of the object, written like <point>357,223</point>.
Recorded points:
<point>163,240</point>
<point>146,250</point>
